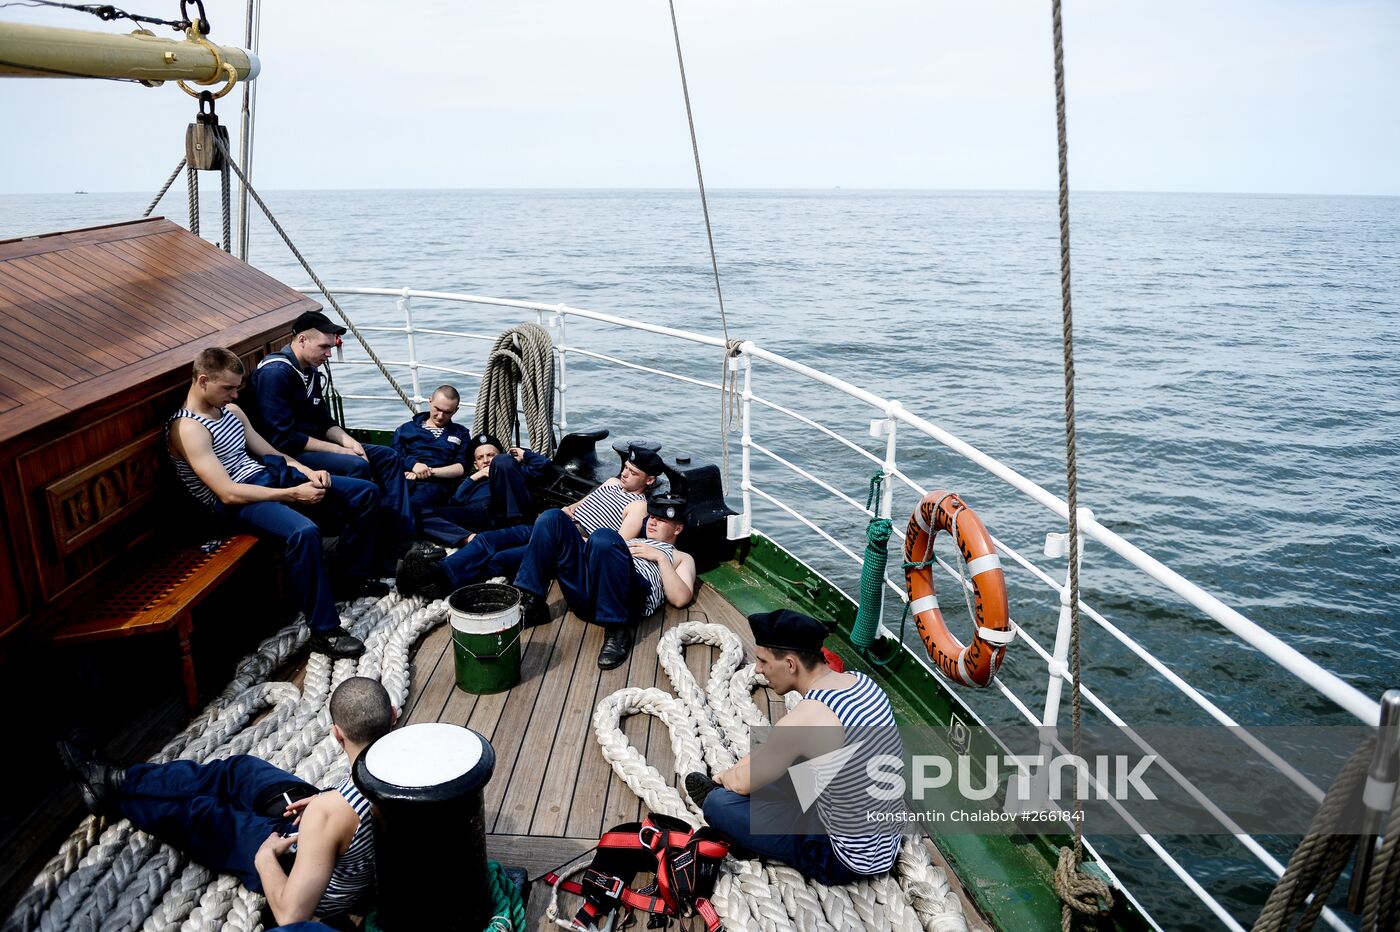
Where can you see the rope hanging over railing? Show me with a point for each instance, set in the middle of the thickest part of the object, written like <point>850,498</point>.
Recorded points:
<point>872,570</point>
<point>522,359</point>
<point>1079,892</point>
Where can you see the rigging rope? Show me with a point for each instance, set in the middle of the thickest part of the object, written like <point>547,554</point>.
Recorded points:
<point>521,358</point>
<point>1079,892</point>
<point>107,13</point>
<point>731,347</point>
<point>350,325</point>
<point>150,208</point>
<point>192,191</point>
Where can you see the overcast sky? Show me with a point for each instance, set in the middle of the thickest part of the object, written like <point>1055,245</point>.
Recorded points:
<point>1197,95</point>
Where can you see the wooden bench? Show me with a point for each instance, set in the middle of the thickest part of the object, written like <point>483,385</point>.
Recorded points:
<point>160,592</point>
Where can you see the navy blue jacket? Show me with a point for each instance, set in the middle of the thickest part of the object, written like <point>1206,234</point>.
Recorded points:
<point>533,468</point>
<point>414,444</point>
<point>289,403</point>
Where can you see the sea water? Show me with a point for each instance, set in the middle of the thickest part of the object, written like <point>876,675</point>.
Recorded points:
<point>1237,390</point>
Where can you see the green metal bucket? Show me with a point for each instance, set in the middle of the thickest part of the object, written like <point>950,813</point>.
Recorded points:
<point>486,637</point>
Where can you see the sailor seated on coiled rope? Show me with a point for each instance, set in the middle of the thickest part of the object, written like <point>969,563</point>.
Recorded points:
<point>245,817</point>
<point>619,504</point>
<point>290,410</point>
<point>458,482</point>
<point>843,724</point>
<point>275,495</point>
<point>608,580</point>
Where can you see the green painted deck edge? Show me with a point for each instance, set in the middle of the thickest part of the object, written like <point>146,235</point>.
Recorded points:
<point>1010,878</point>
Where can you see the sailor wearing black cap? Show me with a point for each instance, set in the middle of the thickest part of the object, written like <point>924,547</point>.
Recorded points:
<point>847,832</point>
<point>290,410</point>
<point>608,580</point>
<point>618,504</point>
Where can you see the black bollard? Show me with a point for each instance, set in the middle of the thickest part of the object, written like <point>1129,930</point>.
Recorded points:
<point>426,782</point>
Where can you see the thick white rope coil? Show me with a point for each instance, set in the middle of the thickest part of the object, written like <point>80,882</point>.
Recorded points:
<point>671,651</point>
<point>108,876</point>
<point>642,778</point>
<point>916,896</point>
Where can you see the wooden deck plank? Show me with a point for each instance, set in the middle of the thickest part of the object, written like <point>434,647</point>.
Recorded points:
<point>423,665</point>
<point>517,807</point>
<point>510,728</point>
<point>586,813</point>
<point>560,784</point>
<point>441,682</point>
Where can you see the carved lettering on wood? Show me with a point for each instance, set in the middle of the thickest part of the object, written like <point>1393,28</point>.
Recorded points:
<point>91,499</point>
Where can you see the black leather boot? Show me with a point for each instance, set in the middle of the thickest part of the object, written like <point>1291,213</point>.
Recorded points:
<point>99,781</point>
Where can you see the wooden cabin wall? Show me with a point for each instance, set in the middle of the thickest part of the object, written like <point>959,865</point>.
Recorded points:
<point>81,491</point>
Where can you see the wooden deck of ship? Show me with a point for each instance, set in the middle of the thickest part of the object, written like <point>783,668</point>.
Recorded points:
<point>552,793</point>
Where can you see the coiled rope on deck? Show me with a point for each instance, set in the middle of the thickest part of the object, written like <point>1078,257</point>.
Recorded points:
<point>109,876</point>
<point>710,726</point>
<point>521,360</point>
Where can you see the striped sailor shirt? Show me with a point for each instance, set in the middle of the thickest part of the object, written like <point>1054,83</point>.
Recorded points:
<point>604,507</point>
<point>352,878</point>
<point>230,446</point>
<point>864,844</point>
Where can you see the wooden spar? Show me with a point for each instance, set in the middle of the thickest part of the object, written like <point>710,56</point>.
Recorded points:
<point>32,51</point>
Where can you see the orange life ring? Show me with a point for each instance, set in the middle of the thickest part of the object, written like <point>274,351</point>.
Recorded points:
<point>978,662</point>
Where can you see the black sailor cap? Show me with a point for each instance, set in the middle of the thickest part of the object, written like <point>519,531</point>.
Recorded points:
<point>315,320</point>
<point>788,630</point>
<point>648,461</point>
<point>481,440</point>
<point>670,507</point>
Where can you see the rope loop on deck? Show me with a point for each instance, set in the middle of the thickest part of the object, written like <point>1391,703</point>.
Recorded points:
<point>710,726</point>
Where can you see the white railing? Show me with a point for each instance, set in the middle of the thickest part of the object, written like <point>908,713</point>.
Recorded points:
<point>891,415</point>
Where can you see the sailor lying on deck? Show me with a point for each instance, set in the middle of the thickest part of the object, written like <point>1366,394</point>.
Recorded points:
<point>275,495</point>
<point>244,817</point>
<point>618,504</point>
<point>843,723</point>
<point>608,580</point>
<point>458,482</point>
<point>291,411</point>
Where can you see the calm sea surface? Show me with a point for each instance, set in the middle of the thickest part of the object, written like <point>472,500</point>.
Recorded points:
<point>1238,390</point>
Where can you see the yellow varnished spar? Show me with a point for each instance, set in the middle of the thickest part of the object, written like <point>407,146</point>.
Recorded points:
<point>28,50</point>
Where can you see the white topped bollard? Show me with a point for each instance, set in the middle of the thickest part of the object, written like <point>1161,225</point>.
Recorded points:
<point>426,784</point>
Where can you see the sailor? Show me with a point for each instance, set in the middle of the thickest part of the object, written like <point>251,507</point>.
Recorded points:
<point>851,833</point>
<point>273,494</point>
<point>243,816</point>
<point>609,580</point>
<point>618,504</point>
<point>290,409</point>
<point>436,454</point>
<point>497,493</point>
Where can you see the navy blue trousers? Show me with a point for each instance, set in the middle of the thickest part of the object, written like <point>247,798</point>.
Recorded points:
<point>212,812</point>
<point>596,576</point>
<point>780,831</point>
<point>490,554</point>
<point>383,469</point>
<point>503,500</point>
<point>348,509</point>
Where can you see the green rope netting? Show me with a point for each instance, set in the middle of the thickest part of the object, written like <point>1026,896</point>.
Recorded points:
<point>506,902</point>
<point>872,573</point>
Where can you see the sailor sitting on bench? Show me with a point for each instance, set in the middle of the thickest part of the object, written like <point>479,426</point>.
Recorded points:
<point>851,833</point>
<point>609,580</point>
<point>618,504</point>
<point>245,817</point>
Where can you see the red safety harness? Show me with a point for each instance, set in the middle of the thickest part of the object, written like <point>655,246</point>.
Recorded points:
<point>686,862</point>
